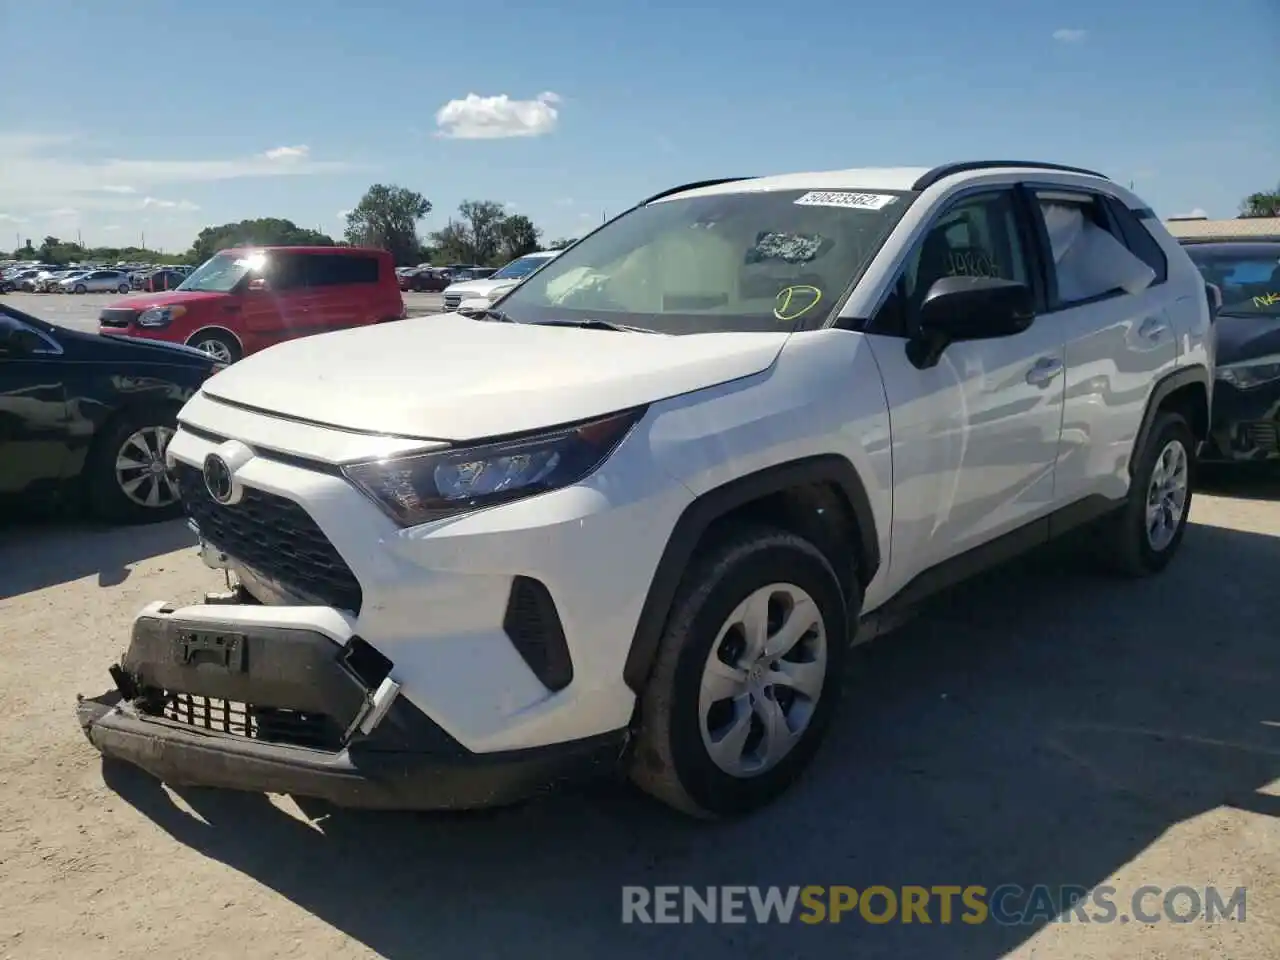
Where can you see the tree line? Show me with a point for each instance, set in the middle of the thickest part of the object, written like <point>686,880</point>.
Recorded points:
<point>482,232</point>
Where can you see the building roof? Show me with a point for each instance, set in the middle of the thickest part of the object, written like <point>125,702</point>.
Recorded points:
<point>1242,228</point>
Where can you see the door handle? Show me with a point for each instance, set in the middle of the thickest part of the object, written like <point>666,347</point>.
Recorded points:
<point>1153,328</point>
<point>1045,369</point>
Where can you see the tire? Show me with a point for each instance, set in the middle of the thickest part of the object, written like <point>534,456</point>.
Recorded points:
<point>1129,548</point>
<point>81,288</point>
<point>112,494</point>
<point>123,289</point>
<point>671,759</point>
<point>221,346</point>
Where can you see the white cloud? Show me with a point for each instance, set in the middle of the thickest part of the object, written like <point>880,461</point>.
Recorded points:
<point>342,214</point>
<point>300,152</point>
<point>1069,35</point>
<point>42,172</point>
<point>63,212</point>
<point>1194,214</point>
<point>490,118</point>
<point>10,218</point>
<point>159,204</point>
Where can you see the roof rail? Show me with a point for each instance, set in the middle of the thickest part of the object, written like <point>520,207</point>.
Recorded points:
<point>950,169</point>
<point>696,185</point>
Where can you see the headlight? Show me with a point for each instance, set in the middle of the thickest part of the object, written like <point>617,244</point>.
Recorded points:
<point>160,316</point>
<point>1251,373</point>
<point>424,487</point>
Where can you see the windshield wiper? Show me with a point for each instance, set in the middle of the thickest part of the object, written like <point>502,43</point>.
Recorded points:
<point>594,323</point>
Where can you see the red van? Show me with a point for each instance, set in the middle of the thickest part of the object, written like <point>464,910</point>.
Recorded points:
<point>244,299</point>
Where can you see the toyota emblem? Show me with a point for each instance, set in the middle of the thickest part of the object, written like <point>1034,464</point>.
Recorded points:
<point>217,478</point>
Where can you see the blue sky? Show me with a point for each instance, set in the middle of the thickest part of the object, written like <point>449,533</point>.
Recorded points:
<point>131,116</point>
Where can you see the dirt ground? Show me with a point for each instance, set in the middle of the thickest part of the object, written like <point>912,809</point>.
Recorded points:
<point>1041,726</point>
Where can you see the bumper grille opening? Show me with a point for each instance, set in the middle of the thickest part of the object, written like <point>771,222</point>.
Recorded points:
<point>267,724</point>
<point>1263,436</point>
<point>533,625</point>
<point>274,536</point>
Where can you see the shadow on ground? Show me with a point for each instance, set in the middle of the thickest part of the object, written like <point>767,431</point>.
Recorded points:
<point>1244,481</point>
<point>1038,726</point>
<point>34,556</point>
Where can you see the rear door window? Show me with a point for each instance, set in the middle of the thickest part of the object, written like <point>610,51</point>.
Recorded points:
<point>339,270</point>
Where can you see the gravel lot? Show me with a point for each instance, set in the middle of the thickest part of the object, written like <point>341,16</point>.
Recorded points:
<point>81,312</point>
<point>1040,726</point>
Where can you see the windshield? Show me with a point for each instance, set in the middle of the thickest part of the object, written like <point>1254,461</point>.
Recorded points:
<point>519,268</point>
<point>1249,279</point>
<point>220,273</point>
<point>760,261</point>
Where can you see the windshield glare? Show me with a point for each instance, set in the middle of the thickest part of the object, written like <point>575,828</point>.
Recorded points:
<point>1249,280</point>
<point>760,261</point>
<point>519,268</point>
<point>221,273</point>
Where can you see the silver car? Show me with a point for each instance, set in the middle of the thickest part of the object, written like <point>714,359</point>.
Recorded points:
<point>98,281</point>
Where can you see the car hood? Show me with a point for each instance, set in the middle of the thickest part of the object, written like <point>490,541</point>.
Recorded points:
<point>448,377</point>
<point>1246,338</point>
<point>110,347</point>
<point>163,298</point>
<point>478,288</point>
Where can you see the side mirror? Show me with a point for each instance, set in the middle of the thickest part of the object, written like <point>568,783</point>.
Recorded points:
<point>1214,293</point>
<point>969,308</point>
<point>474,305</point>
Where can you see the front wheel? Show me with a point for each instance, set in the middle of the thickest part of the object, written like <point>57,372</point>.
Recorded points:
<point>220,346</point>
<point>123,288</point>
<point>747,677</point>
<point>81,288</point>
<point>126,475</point>
<point>1144,535</point>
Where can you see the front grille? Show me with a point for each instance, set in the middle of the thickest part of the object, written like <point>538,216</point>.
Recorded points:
<point>275,537</point>
<point>1263,436</point>
<point>268,724</point>
<point>116,317</point>
<point>452,301</point>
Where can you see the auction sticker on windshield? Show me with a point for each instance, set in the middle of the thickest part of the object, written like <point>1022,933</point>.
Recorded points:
<point>841,198</point>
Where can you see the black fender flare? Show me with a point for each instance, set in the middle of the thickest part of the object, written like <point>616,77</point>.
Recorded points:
<point>1177,380</point>
<point>720,501</point>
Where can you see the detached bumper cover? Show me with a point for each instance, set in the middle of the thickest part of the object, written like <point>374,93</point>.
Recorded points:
<point>407,762</point>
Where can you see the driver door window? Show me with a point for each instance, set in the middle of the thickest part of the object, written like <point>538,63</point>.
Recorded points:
<point>976,237</point>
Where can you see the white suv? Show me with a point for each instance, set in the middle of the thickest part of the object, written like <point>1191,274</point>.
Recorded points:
<point>636,512</point>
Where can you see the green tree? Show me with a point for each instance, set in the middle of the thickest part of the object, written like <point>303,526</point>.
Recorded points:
<point>263,232</point>
<point>484,233</point>
<point>517,236</point>
<point>387,216</point>
<point>1264,204</point>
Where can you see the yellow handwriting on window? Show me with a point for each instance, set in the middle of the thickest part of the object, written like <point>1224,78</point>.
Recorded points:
<point>792,303</point>
<point>1267,300</point>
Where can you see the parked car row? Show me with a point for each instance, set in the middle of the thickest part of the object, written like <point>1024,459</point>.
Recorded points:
<point>425,278</point>
<point>87,278</point>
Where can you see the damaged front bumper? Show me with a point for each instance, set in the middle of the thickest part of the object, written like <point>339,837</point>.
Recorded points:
<point>207,697</point>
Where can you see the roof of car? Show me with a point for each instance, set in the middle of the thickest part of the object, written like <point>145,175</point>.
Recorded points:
<point>1241,248</point>
<point>864,178</point>
<point>339,250</point>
